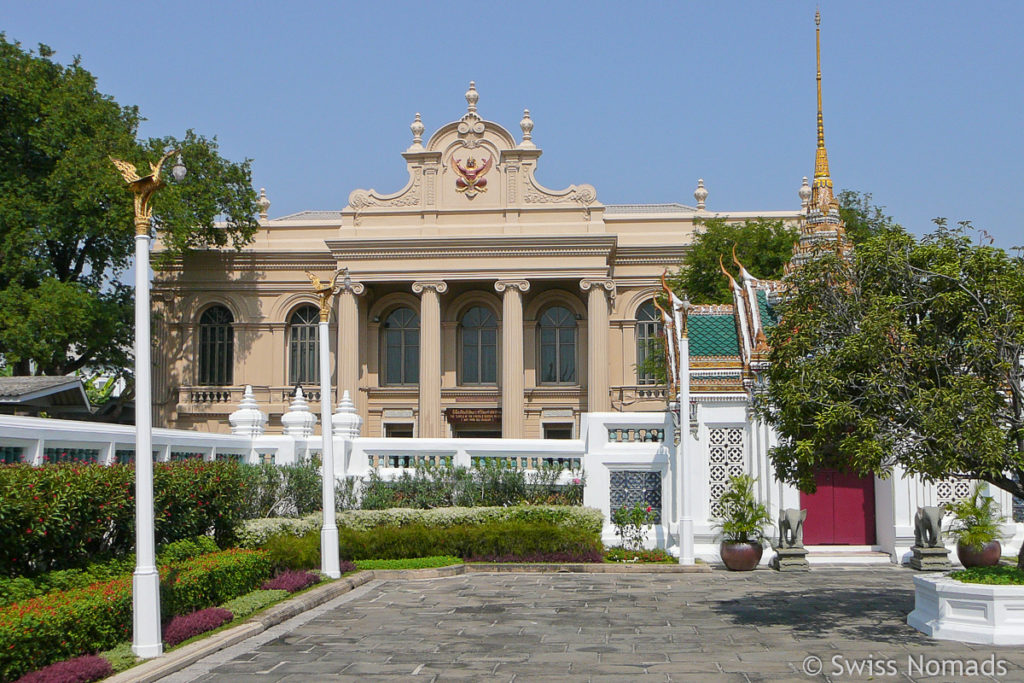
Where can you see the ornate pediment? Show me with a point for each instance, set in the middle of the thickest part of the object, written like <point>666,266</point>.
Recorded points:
<point>472,163</point>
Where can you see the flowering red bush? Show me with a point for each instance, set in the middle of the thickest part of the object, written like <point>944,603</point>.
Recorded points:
<point>77,670</point>
<point>291,580</point>
<point>67,515</point>
<point>56,626</point>
<point>182,628</point>
<point>59,625</point>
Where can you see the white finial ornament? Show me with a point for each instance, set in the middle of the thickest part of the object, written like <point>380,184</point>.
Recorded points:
<point>417,129</point>
<point>805,195</point>
<point>248,420</point>
<point>298,421</point>
<point>263,203</point>
<point>472,97</point>
<point>346,421</point>
<point>700,194</point>
<point>527,125</point>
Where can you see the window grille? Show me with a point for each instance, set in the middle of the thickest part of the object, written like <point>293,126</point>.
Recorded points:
<point>303,358</point>
<point>557,331</point>
<point>479,331</point>
<point>401,340</point>
<point>648,330</point>
<point>216,347</point>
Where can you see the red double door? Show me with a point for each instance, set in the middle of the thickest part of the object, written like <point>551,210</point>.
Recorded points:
<point>841,511</point>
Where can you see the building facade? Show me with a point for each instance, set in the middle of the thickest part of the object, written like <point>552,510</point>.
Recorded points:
<point>479,302</point>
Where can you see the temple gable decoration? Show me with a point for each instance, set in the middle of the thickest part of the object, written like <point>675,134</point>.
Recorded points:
<point>472,163</point>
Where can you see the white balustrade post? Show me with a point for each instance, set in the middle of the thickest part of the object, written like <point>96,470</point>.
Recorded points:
<point>684,466</point>
<point>330,563</point>
<point>146,634</point>
<point>347,425</point>
<point>248,420</point>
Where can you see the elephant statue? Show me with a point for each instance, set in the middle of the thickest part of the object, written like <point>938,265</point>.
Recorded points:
<point>791,528</point>
<point>928,527</point>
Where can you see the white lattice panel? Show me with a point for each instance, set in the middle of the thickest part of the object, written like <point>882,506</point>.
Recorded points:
<point>951,490</point>
<point>726,459</point>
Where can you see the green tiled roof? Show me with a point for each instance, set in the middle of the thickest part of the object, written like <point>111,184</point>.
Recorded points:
<point>764,309</point>
<point>713,335</point>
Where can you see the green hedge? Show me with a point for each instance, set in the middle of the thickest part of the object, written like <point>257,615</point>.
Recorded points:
<point>15,589</point>
<point>507,538</point>
<point>211,579</point>
<point>254,533</point>
<point>66,516</point>
<point>61,625</point>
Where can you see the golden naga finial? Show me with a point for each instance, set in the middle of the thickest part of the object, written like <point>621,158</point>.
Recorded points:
<point>743,271</point>
<point>325,289</point>
<point>143,188</point>
<point>732,280</point>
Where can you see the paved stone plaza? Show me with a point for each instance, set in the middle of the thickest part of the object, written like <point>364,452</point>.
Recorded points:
<point>722,626</point>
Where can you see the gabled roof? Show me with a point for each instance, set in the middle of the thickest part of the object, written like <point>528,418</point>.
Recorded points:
<point>43,391</point>
<point>713,335</point>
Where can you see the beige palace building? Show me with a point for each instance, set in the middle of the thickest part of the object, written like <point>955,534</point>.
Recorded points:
<point>478,302</point>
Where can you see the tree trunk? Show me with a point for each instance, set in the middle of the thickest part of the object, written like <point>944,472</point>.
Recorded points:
<point>1020,558</point>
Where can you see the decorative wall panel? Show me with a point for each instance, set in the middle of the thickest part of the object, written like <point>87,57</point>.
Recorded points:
<point>628,487</point>
<point>726,458</point>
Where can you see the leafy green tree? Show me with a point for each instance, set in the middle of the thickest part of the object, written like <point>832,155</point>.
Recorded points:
<point>862,218</point>
<point>909,354</point>
<point>66,230</point>
<point>763,246</point>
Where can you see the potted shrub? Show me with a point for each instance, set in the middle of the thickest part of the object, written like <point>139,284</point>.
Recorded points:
<point>742,525</point>
<point>976,529</point>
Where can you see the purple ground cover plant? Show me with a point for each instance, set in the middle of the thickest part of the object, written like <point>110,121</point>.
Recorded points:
<point>77,670</point>
<point>184,627</point>
<point>291,580</point>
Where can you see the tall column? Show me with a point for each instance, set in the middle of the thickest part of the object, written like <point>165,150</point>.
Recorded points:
<point>512,405</point>
<point>348,340</point>
<point>430,423</point>
<point>598,291</point>
<point>146,634</point>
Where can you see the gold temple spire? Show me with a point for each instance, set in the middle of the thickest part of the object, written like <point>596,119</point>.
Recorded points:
<point>822,196</point>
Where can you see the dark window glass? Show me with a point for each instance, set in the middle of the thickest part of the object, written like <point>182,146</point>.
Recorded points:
<point>303,358</point>
<point>648,329</point>
<point>401,347</point>
<point>216,346</point>
<point>557,346</point>
<point>479,339</point>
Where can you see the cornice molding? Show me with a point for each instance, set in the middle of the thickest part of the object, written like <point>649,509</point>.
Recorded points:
<point>557,246</point>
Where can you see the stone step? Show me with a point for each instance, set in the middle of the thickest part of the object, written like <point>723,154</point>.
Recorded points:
<point>847,555</point>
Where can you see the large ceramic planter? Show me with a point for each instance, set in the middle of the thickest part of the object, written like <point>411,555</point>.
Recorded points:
<point>741,556</point>
<point>948,609</point>
<point>986,556</point>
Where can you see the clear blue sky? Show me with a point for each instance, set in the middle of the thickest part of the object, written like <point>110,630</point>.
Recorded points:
<point>923,101</point>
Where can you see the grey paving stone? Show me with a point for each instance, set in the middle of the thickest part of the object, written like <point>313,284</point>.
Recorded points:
<point>708,627</point>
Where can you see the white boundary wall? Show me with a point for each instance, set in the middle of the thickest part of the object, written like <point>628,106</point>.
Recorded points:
<point>609,442</point>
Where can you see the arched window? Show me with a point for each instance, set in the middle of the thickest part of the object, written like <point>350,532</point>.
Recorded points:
<point>401,352</point>
<point>303,358</point>
<point>479,332</point>
<point>648,329</point>
<point>557,330</point>
<point>216,346</point>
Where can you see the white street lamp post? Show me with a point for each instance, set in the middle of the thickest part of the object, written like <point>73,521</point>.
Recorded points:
<point>330,562</point>
<point>684,458</point>
<point>146,634</point>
